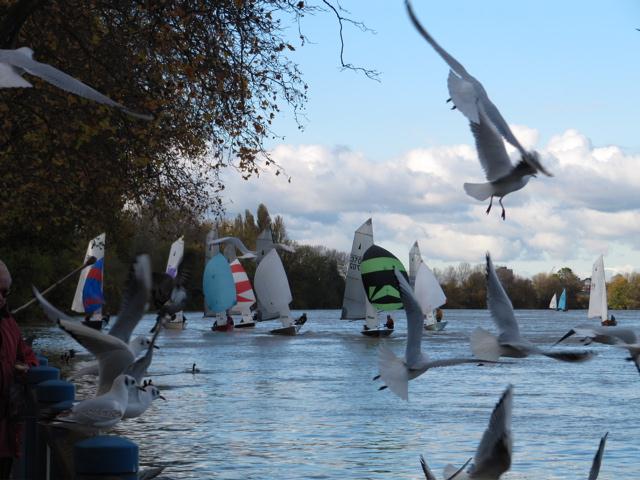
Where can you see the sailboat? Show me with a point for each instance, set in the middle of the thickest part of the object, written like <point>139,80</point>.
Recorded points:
<point>381,285</point>
<point>245,298</point>
<point>427,290</point>
<point>562,302</point>
<point>264,244</point>
<point>173,263</point>
<point>430,297</point>
<point>219,291</point>
<point>598,295</point>
<point>553,304</point>
<point>272,289</point>
<point>89,298</point>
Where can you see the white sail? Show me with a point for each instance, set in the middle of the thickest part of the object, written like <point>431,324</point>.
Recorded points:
<point>95,249</point>
<point>264,244</point>
<point>272,286</point>
<point>428,291</point>
<point>175,257</point>
<point>553,304</point>
<point>353,303</point>
<point>598,291</point>
<point>371,318</point>
<point>415,259</point>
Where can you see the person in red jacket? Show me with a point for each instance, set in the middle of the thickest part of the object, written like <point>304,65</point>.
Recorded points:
<point>15,359</point>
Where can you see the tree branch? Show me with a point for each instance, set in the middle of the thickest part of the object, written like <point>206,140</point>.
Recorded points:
<point>17,14</point>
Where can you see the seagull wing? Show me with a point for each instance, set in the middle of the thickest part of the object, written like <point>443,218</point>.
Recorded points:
<point>49,310</point>
<point>491,150</point>
<point>236,242</point>
<point>21,58</point>
<point>135,298</point>
<point>500,307</point>
<point>493,456</point>
<point>428,474</point>
<point>138,369</point>
<point>452,62</point>
<point>415,319</point>
<point>10,78</point>
<point>597,460</point>
<point>95,341</point>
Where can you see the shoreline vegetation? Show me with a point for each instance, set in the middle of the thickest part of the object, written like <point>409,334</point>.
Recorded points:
<point>316,274</point>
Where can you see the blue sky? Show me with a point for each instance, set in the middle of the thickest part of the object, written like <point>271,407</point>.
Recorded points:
<point>565,76</point>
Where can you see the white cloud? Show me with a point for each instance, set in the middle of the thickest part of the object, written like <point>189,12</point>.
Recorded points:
<point>590,206</point>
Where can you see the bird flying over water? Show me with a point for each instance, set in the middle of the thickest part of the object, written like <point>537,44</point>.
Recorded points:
<point>617,336</point>
<point>488,128</point>
<point>15,63</point>
<point>396,372</point>
<point>509,342</point>
<point>493,456</point>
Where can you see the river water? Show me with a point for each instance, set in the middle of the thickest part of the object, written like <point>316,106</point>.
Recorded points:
<point>302,407</point>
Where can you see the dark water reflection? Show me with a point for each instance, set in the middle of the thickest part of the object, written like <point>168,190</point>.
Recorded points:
<point>305,407</point>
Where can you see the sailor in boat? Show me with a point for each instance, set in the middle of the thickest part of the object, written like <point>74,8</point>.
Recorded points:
<point>439,315</point>
<point>302,320</point>
<point>389,323</point>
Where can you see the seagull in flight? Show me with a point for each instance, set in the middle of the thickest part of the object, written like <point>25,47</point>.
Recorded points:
<point>489,129</point>
<point>396,372</point>
<point>493,456</point>
<point>620,337</point>
<point>509,342</point>
<point>15,63</point>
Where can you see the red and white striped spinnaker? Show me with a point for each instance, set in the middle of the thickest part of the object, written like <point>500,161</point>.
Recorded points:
<point>244,292</point>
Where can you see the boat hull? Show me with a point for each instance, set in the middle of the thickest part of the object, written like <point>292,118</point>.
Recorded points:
<point>288,331</point>
<point>436,327</point>
<point>377,332</point>
<point>245,325</point>
<point>609,323</point>
<point>95,324</point>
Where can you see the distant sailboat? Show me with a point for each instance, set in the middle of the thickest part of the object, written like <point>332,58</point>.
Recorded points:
<point>272,289</point>
<point>430,297</point>
<point>244,296</point>
<point>562,302</point>
<point>427,290</point>
<point>219,291</point>
<point>173,263</point>
<point>553,304</point>
<point>354,301</point>
<point>598,295</point>
<point>89,298</point>
<point>264,245</point>
<point>381,285</point>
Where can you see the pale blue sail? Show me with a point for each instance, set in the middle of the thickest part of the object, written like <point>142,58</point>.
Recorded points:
<point>218,285</point>
<point>562,302</point>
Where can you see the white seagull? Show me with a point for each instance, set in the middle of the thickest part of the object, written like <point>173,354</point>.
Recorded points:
<point>15,63</point>
<point>105,410</point>
<point>237,243</point>
<point>114,355</point>
<point>493,456</point>
<point>140,399</point>
<point>619,337</point>
<point>396,372</point>
<point>488,127</point>
<point>509,342</point>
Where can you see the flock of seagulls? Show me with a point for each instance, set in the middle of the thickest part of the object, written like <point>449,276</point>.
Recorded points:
<point>120,390</point>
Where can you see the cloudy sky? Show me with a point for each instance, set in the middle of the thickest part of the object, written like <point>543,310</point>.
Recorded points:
<point>566,77</point>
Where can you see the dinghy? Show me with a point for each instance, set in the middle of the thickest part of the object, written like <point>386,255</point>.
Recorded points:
<point>89,298</point>
<point>173,263</point>
<point>245,298</point>
<point>380,283</point>
<point>219,291</point>
<point>427,290</point>
<point>598,295</point>
<point>562,302</point>
<point>272,289</point>
<point>553,304</point>
<point>354,302</point>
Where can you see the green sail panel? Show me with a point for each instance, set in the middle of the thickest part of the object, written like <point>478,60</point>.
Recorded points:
<point>380,283</point>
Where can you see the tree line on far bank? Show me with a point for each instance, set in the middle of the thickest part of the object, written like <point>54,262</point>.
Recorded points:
<point>316,274</point>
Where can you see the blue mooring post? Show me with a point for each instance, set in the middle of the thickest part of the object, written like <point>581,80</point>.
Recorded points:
<point>53,396</point>
<point>105,456</point>
<point>26,466</point>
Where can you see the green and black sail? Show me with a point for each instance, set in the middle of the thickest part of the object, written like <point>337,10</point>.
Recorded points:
<point>380,283</point>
